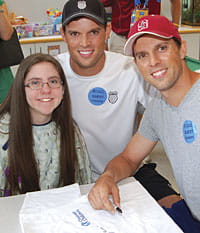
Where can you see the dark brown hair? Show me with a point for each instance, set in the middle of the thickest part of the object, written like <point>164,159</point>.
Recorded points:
<point>21,157</point>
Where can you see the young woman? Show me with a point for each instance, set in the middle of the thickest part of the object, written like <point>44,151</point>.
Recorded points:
<point>40,145</point>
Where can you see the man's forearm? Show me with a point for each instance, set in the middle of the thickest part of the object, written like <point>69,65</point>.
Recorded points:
<point>120,168</point>
<point>5,26</point>
<point>175,11</point>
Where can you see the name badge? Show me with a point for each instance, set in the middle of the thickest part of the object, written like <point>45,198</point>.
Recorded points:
<point>137,14</point>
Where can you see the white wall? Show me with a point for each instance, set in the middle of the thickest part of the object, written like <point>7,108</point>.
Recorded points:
<point>166,8</point>
<point>34,10</point>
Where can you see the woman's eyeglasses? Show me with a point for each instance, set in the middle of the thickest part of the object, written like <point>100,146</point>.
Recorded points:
<point>38,84</point>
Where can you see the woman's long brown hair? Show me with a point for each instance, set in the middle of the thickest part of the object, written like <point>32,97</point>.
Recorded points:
<point>21,157</point>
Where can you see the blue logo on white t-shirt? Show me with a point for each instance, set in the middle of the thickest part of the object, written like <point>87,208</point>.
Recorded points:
<point>189,131</point>
<point>97,96</point>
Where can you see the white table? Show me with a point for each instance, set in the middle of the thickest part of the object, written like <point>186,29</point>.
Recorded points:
<point>10,207</point>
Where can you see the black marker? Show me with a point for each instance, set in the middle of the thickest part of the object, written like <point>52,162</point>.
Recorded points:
<point>119,210</point>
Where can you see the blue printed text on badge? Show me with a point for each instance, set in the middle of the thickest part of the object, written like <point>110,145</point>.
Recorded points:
<point>97,96</point>
<point>189,131</point>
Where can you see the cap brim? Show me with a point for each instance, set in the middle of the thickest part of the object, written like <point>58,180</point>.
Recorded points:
<point>83,14</point>
<point>128,48</point>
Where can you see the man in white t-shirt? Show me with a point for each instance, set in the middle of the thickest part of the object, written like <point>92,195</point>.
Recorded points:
<point>106,91</point>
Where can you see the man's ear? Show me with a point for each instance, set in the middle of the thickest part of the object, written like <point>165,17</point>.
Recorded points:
<point>63,34</point>
<point>183,49</point>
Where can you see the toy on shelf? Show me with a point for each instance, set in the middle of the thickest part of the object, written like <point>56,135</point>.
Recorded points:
<point>27,29</point>
<point>53,12</point>
<point>55,16</point>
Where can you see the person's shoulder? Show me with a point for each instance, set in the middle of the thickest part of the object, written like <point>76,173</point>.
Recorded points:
<point>121,61</point>
<point>77,131</point>
<point>63,56</point>
<point>119,55</point>
<point>155,105</point>
<point>5,119</point>
<point>4,123</point>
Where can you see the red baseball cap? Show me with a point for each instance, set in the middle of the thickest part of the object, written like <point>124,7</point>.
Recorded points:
<point>152,24</point>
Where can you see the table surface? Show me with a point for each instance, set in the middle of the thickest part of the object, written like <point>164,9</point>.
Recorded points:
<point>10,207</point>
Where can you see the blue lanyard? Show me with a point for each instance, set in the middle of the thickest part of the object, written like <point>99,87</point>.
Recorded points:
<point>138,2</point>
<point>146,3</point>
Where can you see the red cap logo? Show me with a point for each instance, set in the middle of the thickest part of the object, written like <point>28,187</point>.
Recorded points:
<point>143,25</point>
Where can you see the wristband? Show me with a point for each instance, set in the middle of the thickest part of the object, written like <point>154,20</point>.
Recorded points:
<point>1,11</point>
